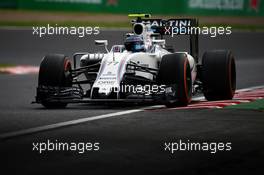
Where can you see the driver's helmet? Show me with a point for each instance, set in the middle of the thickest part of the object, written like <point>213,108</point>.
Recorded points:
<point>134,44</point>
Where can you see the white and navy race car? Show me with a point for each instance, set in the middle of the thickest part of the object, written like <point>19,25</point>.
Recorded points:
<point>142,69</point>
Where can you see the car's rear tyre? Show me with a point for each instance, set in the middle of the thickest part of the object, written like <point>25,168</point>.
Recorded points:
<point>175,73</point>
<point>218,75</point>
<point>55,71</point>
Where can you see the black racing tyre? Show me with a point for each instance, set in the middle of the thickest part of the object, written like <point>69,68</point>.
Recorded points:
<point>175,73</point>
<point>218,75</point>
<point>55,71</point>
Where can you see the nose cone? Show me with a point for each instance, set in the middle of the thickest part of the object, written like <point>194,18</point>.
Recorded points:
<point>107,93</point>
<point>104,91</point>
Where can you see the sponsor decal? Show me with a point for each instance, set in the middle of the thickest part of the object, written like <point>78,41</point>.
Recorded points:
<point>216,4</point>
<point>169,22</point>
<point>74,1</point>
<point>107,78</point>
<point>254,4</point>
<point>106,82</point>
<point>112,2</point>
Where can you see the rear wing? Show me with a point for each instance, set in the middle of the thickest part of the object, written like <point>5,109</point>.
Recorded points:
<point>177,26</point>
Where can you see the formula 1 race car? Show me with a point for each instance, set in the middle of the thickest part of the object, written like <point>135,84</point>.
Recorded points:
<point>143,69</point>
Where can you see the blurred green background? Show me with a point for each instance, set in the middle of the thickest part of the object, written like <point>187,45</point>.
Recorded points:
<point>186,7</point>
<point>240,13</point>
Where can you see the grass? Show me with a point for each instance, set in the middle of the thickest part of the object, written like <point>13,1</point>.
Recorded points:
<point>255,105</point>
<point>6,65</point>
<point>65,23</point>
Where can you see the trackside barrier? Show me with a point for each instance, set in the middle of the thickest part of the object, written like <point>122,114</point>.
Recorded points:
<point>175,7</point>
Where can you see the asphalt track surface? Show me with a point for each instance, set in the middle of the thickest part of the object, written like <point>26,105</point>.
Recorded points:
<point>131,143</point>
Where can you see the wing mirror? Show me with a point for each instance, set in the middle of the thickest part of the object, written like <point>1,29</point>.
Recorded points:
<point>102,43</point>
<point>161,42</point>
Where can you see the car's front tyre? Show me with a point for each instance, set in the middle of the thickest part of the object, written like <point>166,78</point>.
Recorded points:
<point>55,71</point>
<point>175,73</point>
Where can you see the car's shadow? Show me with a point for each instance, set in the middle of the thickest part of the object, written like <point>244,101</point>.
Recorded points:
<point>98,106</point>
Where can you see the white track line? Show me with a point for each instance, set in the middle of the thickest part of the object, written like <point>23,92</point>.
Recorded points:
<point>88,119</point>
<point>250,88</point>
<point>67,123</point>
